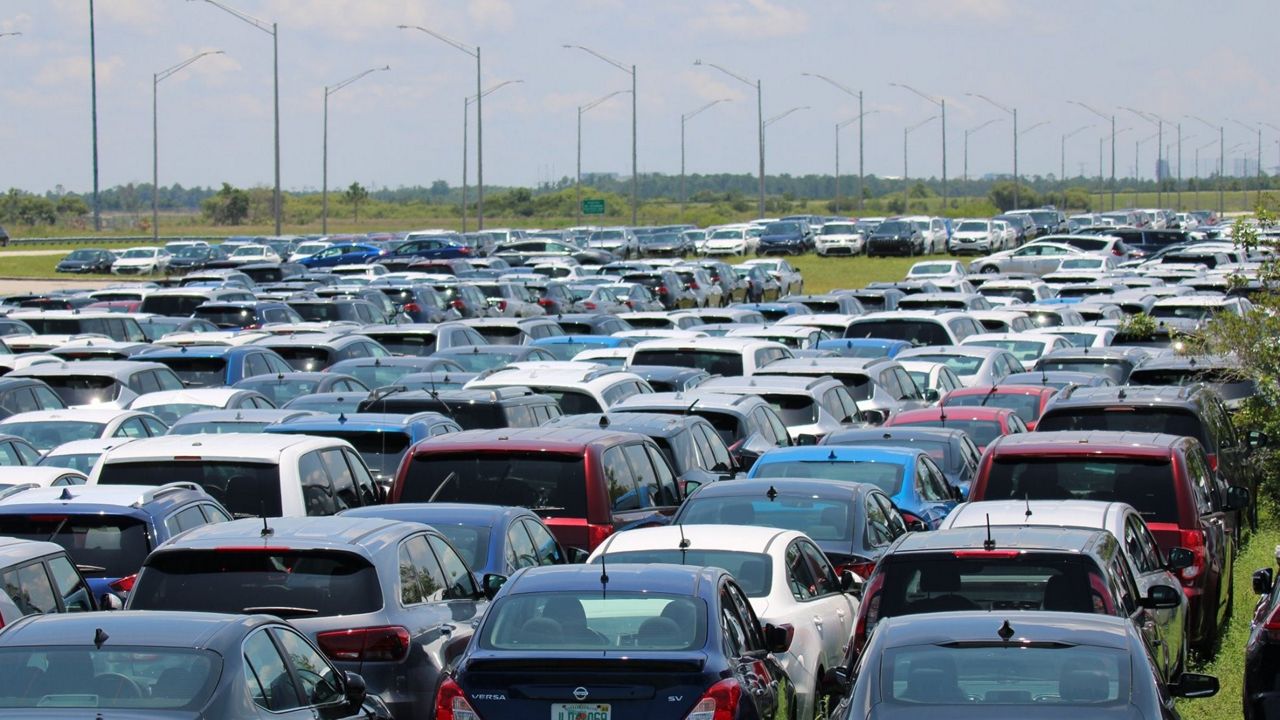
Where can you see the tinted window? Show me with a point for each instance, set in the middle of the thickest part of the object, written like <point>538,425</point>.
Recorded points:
<point>917,332</point>
<point>1132,418</point>
<point>247,489</point>
<point>552,484</point>
<point>80,676</point>
<point>716,363</point>
<point>459,584</point>
<point>590,621</point>
<point>116,544</point>
<point>30,589</point>
<point>1146,484</point>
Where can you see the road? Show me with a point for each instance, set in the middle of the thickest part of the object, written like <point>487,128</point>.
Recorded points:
<point>10,286</point>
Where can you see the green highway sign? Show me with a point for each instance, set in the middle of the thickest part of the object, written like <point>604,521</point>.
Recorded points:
<point>593,206</point>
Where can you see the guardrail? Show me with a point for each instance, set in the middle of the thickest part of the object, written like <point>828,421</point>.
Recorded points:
<point>108,240</point>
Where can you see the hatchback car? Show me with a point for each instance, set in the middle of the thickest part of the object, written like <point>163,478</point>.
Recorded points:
<point>283,387</point>
<point>172,405</point>
<point>46,429</point>
<point>1028,401</point>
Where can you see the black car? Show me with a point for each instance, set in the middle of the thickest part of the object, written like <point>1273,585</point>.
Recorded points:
<point>173,664</point>
<point>785,237</point>
<point>86,260</point>
<point>246,315</point>
<point>1262,652</point>
<point>619,641</point>
<point>896,237</point>
<point>421,304</point>
<point>196,257</point>
<point>991,666</point>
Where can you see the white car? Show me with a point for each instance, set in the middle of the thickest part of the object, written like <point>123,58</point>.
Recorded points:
<point>934,231</point>
<point>172,405</point>
<point>937,269</point>
<point>1026,346</point>
<point>978,236</point>
<point>771,566</point>
<point>1040,258</point>
<point>840,237</point>
<point>1083,335</point>
<point>81,455</point>
<point>307,249</point>
<point>357,272</point>
<point>930,375</point>
<point>974,365</point>
<point>725,356</point>
<point>1007,233</point>
<point>33,476</point>
<point>577,387</point>
<point>254,254</point>
<point>46,429</point>
<point>141,261</point>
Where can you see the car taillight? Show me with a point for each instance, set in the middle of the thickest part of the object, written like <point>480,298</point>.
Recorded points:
<point>693,284</point>
<point>124,584</point>
<point>376,644</point>
<point>1272,625</point>
<point>597,533</point>
<point>662,289</point>
<point>1213,461</point>
<point>451,703</point>
<point>502,306</point>
<point>458,305</point>
<point>464,251</point>
<point>545,302</point>
<point>868,612</point>
<point>1116,251</point>
<point>589,305</point>
<point>719,702</point>
<point>1193,540</point>
<point>254,326</point>
<point>412,307</point>
<point>861,568</point>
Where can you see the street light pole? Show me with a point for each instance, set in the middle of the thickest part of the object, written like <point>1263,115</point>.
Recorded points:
<point>635,171</point>
<point>776,118</point>
<point>156,78</point>
<point>582,109</point>
<point>274,31</point>
<point>1221,156</point>
<point>941,102</point>
<point>1112,118</point>
<point>1159,123</point>
<point>860,117</point>
<point>906,183</point>
<point>475,53</point>
<point>759,120</point>
<point>839,126</point>
<point>1063,150</point>
<point>1014,112</point>
<point>684,119</point>
<point>1257,193</point>
<point>967,133</point>
<point>466,103</point>
<point>93,111</point>
<point>324,154</point>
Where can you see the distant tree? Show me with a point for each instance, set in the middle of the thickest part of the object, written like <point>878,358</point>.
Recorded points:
<point>356,194</point>
<point>71,206</point>
<point>439,189</point>
<point>229,206</point>
<point>1001,196</point>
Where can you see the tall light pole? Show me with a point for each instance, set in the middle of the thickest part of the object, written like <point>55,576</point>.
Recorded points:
<point>1112,118</point>
<point>781,115</point>
<point>324,153</point>
<point>583,109</point>
<point>475,53</point>
<point>684,118</point>
<point>635,170</point>
<point>1181,137</point>
<point>1013,112</point>
<point>466,103</point>
<point>839,126</point>
<point>759,120</point>
<point>274,31</point>
<point>1205,146</point>
<point>1137,164</point>
<point>1222,154</point>
<point>156,79</point>
<point>967,133</point>
<point>93,112</point>
<point>861,116</point>
<point>1062,150</point>
<point>906,184</point>
<point>1257,193</point>
<point>1159,123</point>
<point>1277,129</point>
<point>941,102</point>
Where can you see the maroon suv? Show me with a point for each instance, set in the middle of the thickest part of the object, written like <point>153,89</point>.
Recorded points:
<point>1167,478</point>
<point>585,484</point>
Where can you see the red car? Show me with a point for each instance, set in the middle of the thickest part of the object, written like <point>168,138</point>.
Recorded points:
<point>585,484</point>
<point>1165,477</point>
<point>1028,401</point>
<point>982,424</point>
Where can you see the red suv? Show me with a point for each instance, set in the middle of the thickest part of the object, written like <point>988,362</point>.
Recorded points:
<point>1167,478</point>
<point>585,484</point>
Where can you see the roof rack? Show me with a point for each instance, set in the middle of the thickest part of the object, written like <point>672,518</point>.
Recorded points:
<point>157,492</point>
<point>14,490</point>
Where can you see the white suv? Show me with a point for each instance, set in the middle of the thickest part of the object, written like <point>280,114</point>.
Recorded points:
<point>579,387</point>
<point>840,237</point>
<point>725,356</point>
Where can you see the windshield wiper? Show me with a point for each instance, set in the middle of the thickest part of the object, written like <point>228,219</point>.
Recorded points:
<point>281,610</point>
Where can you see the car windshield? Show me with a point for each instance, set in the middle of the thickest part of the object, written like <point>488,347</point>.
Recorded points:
<point>1026,407</point>
<point>1189,312</point>
<point>823,520</point>
<point>550,484</point>
<point>589,620</point>
<point>247,489</point>
<point>839,229</point>
<point>139,253</point>
<point>74,677</point>
<point>305,359</point>
<point>973,226</point>
<point>973,675</point>
<point>412,344</point>
<point>1128,418</point>
<point>1082,264</point>
<point>893,227</point>
<point>753,571</point>
<point>48,434</point>
<point>172,412</point>
<point>1145,483</point>
<point>886,476</point>
<point>1024,350</point>
<point>981,432</point>
<point>726,235</point>
<point>172,305</point>
<point>917,332</point>
<point>199,371</point>
<point>82,255</point>
<point>116,544</point>
<point>291,583</point>
<point>79,461</point>
<point>280,390</point>
<point>961,365</point>
<point>932,269</point>
<point>781,228</point>
<point>1117,371</point>
<point>251,250</point>
<point>606,235</point>
<point>726,364</point>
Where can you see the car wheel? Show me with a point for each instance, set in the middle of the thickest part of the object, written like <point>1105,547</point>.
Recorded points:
<point>989,269</point>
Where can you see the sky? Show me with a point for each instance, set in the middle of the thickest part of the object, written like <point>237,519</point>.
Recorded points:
<point>404,127</point>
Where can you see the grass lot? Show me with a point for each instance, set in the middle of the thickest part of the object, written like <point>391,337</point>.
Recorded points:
<point>823,274</point>
<point>37,266</point>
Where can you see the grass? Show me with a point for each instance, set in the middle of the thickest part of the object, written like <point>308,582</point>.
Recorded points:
<point>37,266</point>
<point>822,274</point>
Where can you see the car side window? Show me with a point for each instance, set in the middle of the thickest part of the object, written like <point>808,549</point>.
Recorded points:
<point>423,571</point>
<point>719,453</point>
<point>72,588</point>
<point>154,427</point>
<point>1124,583</point>
<point>255,364</point>
<point>9,455</point>
<point>891,383</point>
<point>344,482</point>
<point>29,455</point>
<point>897,526</point>
<point>544,544</point>
<point>184,519</point>
<point>646,477</point>
<point>934,479</point>
<point>820,568</point>
<point>214,514</point>
<point>1136,547</point>
<point>367,492</point>
<point>144,382</point>
<point>735,635</point>
<point>168,380</point>
<point>780,434</point>
<point>265,673</point>
<point>276,364</point>
<point>520,551</point>
<point>622,489</point>
<point>20,400</point>
<point>132,428</point>
<point>1202,486</point>
<point>668,493</point>
<point>46,399</point>
<point>459,584</point>
<point>878,531</point>
<point>319,680</point>
<point>755,641</point>
<point>799,575</point>
<point>317,489</point>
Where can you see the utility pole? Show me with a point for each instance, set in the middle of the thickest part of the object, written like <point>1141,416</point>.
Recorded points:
<point>93,101</point>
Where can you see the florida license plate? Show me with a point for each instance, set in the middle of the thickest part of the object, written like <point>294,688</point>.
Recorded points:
<point>579,711</point>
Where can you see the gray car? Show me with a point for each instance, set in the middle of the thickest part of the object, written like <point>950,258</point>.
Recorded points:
<point>39,578</point>
<point>391,600</point>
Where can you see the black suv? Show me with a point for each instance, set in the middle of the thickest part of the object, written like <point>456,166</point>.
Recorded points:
<point>246,315</point>
<point>491,408</point>
<point>666,286</point>
<point>895,236</point>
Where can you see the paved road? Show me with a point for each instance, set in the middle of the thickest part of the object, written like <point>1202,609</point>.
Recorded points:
<point>31,253</point>
<point>18,287</point>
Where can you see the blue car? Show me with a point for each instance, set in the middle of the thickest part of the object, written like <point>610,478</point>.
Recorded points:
<point>785,237</point>
<point>565,347</point>
<point>381,439</point>
<point>344,254</point>
<point>623,642</point>
<point>910,477</point>
<point>864,347</point>
<point>492,539</point>
<point>774,311</point>
<point>200,366</point>
<point>108,530</point>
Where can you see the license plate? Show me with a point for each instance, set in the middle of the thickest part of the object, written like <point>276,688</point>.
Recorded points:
<point>579,711</point>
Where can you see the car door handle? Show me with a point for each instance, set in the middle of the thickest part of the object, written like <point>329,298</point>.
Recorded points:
<point>817,621</point>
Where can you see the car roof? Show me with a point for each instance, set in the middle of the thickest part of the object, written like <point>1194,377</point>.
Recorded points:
<point>712,344</point>
<point>954,412</point>
<point>441,513</point>
<point>760,487</point>
<point>1001,390</point>
<point>244,414</point>
<point>194,396</point>
<point>357,422</point>
<point>770,384</point>
<point>1181,395</point>
<point>904,432</point>
<point>250,447</point>
<point>136,628</point>
<point>623,577</point>
<point>92,445</point>
<point>113,368</point>
<point>336,532</point>
<point>544,439</point>
<point>1064,513</point>
<point>91,497</point>
<point>1030,626</point>
<point>104,415</point>
<point>691,399</point>
<point>1087,442</point>
<point>844,453</point>
<point>739,538</point>
<point>651,424</point>
<point>1006,537</point>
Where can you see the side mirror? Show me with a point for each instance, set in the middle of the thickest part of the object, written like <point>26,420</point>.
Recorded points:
<point>777,638</point>
<point>1237,498</point>
<point>1194,685</point>
<point>1258,439</point>
<point>850,583</point>
<point>916,525</point>
<point>745,458</point>
<point>839,680</point>
<point>355,689</point>
<point>110,601</point>
<point>1180,558</point>
<point>577,556</point>
<point>382,489</point>
<point>957,494</point>
<point>931,394</point>
<point>874,417</point>
<point>1263,581</point>
<point>1162,597</point>
<point>491,584</point>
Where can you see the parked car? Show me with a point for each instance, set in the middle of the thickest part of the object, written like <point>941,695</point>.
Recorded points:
<point>39,578</point>
<point>983,424</point>
<point>86,260</point>
<point>141,261</point>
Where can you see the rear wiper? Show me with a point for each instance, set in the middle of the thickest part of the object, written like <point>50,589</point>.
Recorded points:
<point>281,610</point>
<point>58,529</point>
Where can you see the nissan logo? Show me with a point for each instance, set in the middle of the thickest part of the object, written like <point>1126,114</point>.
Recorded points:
<point>580,693</point>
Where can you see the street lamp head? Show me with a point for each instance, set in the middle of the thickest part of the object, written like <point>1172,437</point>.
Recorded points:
<point>697,62</point>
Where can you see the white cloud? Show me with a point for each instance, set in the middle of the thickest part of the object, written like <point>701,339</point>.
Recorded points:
<point>950,11</point>
<point>750,18</point>
<point>492,14</point>
<point>75,68</point>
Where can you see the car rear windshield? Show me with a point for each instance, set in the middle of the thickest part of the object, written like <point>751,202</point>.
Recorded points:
<point>1117,371</point>
<point>199,371</point>
<point>726,364</point>
<point>1145,483</point>
<point>981,432</point>
<point>1128,418</point>
<point>550,484</point>
<point>67,326</point>
<point>320,312</point>
<point>280,391</point>
<point>173,412</point>
<point>102,545</point>
<point>886,476</point>
<point>1230,385</point>
<point>75,677</point>
<point>413,344</point>
<point>1024,350</point>
<point>823,520</point>
<point>48,434</point>
<point>962,365</point>
<point>1186,312</point>
<point>217,428</point>
<point>753,571</point>
<point>592,621</point>
<point>305,359</point>
<point>227,317</point>
<point>1025,295</point>
<point>972,675</point>
<point>1026,407</point>
<point>83,462</point>
<point>277,581</point>
<point>502,334</point>
<point>994,581</point>
<point>247,489</point>
<point>916,332</point>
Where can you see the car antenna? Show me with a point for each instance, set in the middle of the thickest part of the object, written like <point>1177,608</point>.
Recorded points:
<point>100,637</point>
<point>604,577</point>
<point>266,529</point>
<point>772,493</point>
<point>684,544</point>
<point>1006,631</point>
<point>691,405</point>
<point>990,543</point>
<point>942,415</point>
<point>1027,515</point>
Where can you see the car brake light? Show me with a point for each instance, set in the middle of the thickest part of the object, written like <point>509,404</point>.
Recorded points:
<point>124,584</point>
<point>986,554</point>
<point>502,305</point>
<point>719,702</point>
<point>46,518</point>
<point>693,284</point>
<point>251,548</point>
<point>373,644</point>
<point>1116,251</point>
<point>596,534</point>
<point>412,307</point>
<point>451,703</point>
<point>458,305</point>
<point>1192,540</point>
<point>862,569</point>
<point>868,612</point>
<point>662,289</point>
<point>545,302</point>
<point>464,251</point>
<point>589,305</point>
<point>253,326</point>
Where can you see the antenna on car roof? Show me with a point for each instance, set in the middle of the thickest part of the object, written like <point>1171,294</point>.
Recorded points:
<point>1027,515</point>
<point>990,392</point>
<point>684,543</point>
<point>772,493</point>
<point>989,543</point>
<point>604,576</point>
<point>266,529</point>
<point>100,637</point>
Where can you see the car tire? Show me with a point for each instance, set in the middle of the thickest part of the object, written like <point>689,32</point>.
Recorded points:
<point>989,269</point>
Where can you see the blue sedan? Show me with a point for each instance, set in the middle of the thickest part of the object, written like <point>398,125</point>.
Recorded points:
<point>909,477</point>
<point>565,347</point>
<point>344,254</point>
